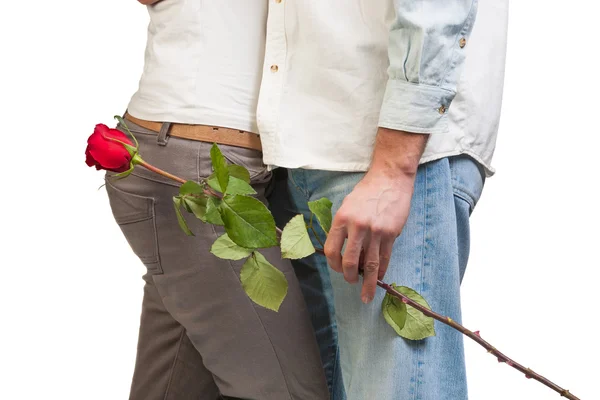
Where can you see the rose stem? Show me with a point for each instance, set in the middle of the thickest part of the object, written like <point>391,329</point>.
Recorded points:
<point>445,320</point>
<point>208,191</point>
<point>161,172</point>
<point>529,374</point>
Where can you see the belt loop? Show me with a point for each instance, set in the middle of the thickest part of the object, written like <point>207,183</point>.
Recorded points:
<point>163,135</point>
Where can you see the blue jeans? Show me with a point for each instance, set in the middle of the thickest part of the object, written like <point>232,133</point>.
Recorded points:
<point>429,256</point>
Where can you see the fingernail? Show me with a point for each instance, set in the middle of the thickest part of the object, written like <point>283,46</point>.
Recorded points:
<point>366,299</point>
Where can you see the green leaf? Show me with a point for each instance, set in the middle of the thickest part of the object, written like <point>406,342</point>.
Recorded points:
<point>180,219</point>
<point>213,212</point>
<point>394,312</point>
<point>185,204</point>
<point>196,205</point>
<point>264,284</point>
<point>417,326</point>
<point>220,166</point>
<point>322,209</point>
<point>238,186</point>
<point>295,241</point>
<point>248,222</point>
<point>224,248</point>
<point>213,182</point>
<point>239,172</point>
<point>191,187</point>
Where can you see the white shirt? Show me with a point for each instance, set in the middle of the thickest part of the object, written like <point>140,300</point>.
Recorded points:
<point>336,70</point>
<point>203,63</point>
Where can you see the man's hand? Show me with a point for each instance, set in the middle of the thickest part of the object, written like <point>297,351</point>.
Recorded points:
<point>148,2</point>
<point>373,215</point>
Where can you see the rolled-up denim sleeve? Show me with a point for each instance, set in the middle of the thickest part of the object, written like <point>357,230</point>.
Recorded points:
<point>427,45</point>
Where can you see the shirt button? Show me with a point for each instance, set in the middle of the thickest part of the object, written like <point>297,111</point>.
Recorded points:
<point>462,43</point>
<point>274,68</point>
<point>277,1</point>
<point>442,109</point>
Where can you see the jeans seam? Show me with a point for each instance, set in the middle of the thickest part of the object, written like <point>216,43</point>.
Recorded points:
<point>291,178</point>
<point>154,180</point>
<point>287,386</point>
<point>172,372</point>
<point>134,221</point>
<point>198,162</point>
<point>465,196</point>
<point>425,221</point>
<point>424,261</point>
<point>335,368</point>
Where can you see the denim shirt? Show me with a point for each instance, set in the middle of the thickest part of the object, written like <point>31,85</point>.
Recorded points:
<point>335,71</point>
<point>426,55</point>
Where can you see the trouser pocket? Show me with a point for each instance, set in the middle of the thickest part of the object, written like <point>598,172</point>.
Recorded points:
<point>250,159</point>
<point>468,179</point>
<point>135,216</point>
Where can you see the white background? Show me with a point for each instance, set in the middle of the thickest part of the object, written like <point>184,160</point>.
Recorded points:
<point>70,289</point>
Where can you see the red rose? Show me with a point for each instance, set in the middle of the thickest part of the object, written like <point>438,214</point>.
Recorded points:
<point>104,153</point>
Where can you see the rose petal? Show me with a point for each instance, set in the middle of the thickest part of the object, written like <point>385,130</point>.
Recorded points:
<point>103,132</point>
<point>110,159</point>
<point>89,160</point>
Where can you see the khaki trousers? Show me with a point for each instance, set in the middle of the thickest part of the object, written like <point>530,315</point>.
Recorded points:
<point>200,336</point>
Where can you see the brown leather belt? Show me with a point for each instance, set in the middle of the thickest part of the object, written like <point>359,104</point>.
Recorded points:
<point>204,133</point>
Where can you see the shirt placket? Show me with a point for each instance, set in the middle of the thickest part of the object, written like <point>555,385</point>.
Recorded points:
<point>269,104</point>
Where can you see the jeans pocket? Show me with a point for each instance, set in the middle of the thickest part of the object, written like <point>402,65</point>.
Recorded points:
<point>135,216</point>
<point>250,159</point>
<point>467,180</point>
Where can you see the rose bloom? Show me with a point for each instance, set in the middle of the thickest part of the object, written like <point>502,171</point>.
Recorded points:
<point>104,153</point>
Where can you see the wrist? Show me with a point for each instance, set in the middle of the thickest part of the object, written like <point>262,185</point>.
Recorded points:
<point>393,170</point>
<point>397,153</point>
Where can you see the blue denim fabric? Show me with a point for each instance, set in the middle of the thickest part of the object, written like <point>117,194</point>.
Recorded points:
<point>430,256</point>
<point>315,284</point>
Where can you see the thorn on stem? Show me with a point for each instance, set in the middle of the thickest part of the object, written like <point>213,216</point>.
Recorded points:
<point>528,376</point>
<point>476,333</point>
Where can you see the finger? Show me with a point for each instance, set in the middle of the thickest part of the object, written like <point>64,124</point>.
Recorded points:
<point>385,255</point>
<point>333,247</point>
<point>370,270</point>
<point>352,252</point>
